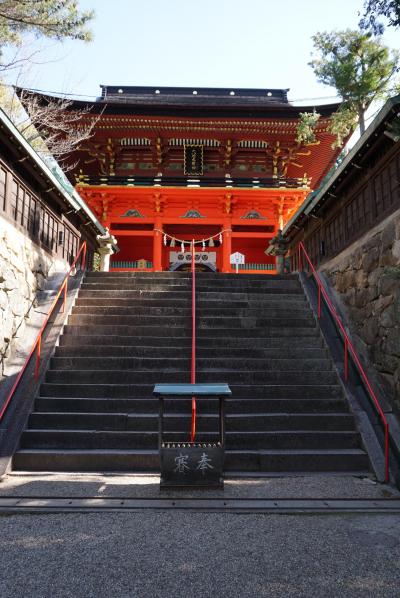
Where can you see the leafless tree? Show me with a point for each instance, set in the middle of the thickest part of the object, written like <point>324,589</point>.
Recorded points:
<point>52,127</point>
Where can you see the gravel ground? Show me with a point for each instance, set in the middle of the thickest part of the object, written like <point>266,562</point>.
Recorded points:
<point>125,486</point>
<point>183,555</point>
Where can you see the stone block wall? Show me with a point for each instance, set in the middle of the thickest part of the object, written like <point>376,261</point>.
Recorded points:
<point>366,277</point>
<point>24,268</point>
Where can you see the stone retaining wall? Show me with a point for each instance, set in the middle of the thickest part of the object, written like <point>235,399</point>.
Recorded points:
<point>366,277</point>
<point>24,268</point>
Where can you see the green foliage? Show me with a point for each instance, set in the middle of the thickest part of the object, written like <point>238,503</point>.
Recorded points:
<point>54,19</point>
<point>357,65</point>
<point>375,9</point>
<point>343,123</point>
<point>306,127</point>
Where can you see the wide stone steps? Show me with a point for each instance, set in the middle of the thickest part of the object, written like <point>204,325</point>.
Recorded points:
<point>247,286</point>
<point>145,276</point>
<point>129,331</point>
<point>57,421</point>
<point>254,391</point>
<point>238,294</point>
<point>237,376</point>
<point>106,330</point>
<point>273,302</point>
<point>278,311</point>
<point>263,302</point>
<point>236,461</point>
<point>170,321</point>
<point>280,345</point>
<point>243,406</point>
<point>113,351</point>
<point>87,439</point>
<point>253,364</point>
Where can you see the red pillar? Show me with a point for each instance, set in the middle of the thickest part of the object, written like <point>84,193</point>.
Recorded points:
<point>157,245</point>
<point>226,246</point>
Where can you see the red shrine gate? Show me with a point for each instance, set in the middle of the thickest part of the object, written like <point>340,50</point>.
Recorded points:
<point>180,164</point>
<point>150,225</point>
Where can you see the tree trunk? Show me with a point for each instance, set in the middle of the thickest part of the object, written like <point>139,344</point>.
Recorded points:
<point>361,120</point>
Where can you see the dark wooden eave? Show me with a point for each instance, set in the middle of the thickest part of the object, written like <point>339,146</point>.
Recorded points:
<point>248,105</point>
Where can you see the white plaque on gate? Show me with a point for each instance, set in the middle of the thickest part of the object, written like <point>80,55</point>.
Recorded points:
<point>205,257</point>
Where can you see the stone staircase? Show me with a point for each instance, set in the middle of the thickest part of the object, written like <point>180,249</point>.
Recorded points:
<point>128,331</point>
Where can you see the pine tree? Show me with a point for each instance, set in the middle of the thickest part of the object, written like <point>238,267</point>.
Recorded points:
<point>54,19</point>
<point>357,65</point>
<point>375,10</point>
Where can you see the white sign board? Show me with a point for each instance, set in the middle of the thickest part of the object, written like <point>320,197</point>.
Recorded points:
<point>236,259</point>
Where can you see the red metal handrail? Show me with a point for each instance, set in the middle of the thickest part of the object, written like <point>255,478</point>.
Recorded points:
<point>193,364</point>
<point>348,348</point>
<point>37,345</point>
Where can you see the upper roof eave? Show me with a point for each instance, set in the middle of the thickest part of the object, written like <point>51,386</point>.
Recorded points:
<point>212,108</point>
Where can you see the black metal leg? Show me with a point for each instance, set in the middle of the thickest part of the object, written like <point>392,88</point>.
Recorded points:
<point>160,422</point>
<point>222,420</point>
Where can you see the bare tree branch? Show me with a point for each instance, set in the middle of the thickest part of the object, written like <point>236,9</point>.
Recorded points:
<point>53,129</point>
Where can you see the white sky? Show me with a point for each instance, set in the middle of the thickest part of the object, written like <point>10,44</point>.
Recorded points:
<point>218,43</point>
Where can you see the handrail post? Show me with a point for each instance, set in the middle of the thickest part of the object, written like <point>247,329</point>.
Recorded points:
<point>346,359</point>
<point>83,260</point>
<point>387,474</point>
<point>193,362</point>
<point>38,352</point>
<point>319,301</point>
<point>65,296</point>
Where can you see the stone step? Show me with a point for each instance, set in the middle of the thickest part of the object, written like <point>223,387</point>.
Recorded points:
<point>238,377</point>
<point>94,350</point>
<point>265,301</point>
<point>186,321</point>
<point>149,405</point>
<point>178,274</point>
<point>222,364</point>
<point>145,422</point>
<point>202,295</point>
<point>271,302</point>
<point>135,302</point>
<point>136,294</point>
<point>127,331</point>
<point>184,312</point>
<point>249,294</point>
<point>251,286</point>
<point>142,390</point>
<point>138,276</point>
<point>87,439</point>
<point>169,283</point>
<point>105,330</point>
<point>284,460</point>
<point>175,285</point>
<point>201,285</point>
<point>222,343</point>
